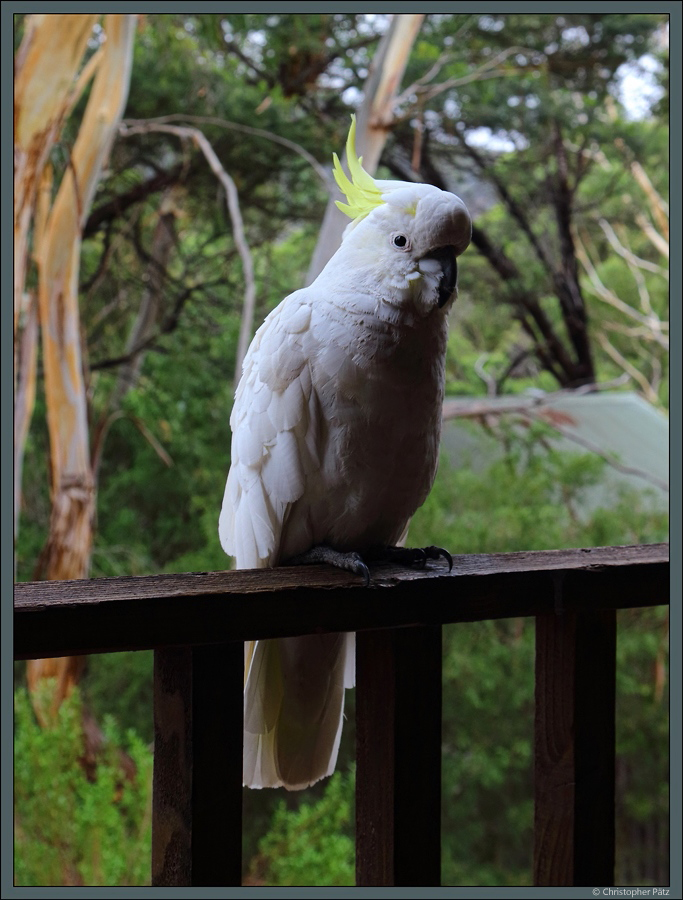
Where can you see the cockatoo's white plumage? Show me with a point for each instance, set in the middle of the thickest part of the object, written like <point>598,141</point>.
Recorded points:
<point>336,428</point>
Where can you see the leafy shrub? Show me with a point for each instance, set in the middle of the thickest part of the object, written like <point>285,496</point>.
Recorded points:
<point>70,830</point>
<point>312,845</point>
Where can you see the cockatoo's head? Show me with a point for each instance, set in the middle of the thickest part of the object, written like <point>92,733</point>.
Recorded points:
<point>403,235</point>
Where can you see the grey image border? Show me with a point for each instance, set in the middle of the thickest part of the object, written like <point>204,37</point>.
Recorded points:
<point>9,8</point>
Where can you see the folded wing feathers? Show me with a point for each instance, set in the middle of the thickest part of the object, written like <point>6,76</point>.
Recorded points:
<point>294,687</point>
<point>282,474</point>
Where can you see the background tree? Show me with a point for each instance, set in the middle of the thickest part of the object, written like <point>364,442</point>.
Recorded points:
<point>42,100</point>
<point>57,243</point>
<point>545,105</point>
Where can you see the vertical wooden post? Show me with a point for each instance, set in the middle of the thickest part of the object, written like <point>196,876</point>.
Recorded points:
<point>575,748</point>
<point>398,778</point>
<point>197,805</point>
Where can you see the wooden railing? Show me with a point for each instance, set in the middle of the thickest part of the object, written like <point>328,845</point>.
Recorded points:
<point>196,625</point>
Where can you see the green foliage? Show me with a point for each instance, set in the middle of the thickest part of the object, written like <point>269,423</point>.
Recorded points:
<point>312,845</point>
<point>70,830</point>
<point>487,789</point>
<point>642,732</point>
<point>120,685</point>
<point>529,499</point>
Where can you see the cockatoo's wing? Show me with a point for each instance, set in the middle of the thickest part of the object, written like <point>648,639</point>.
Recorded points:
<point>294,687</point>
<point>274,426</point>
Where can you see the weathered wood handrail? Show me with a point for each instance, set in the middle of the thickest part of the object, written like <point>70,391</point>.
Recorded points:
<point>64,618</point>
<point>196,623</point>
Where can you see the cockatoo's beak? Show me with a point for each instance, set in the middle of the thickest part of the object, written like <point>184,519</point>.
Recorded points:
<point>445,256</point>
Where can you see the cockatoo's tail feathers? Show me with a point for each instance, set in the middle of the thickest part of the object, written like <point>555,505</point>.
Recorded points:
<point>362,191</point>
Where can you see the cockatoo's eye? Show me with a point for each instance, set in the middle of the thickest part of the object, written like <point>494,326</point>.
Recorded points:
<point>400,241</point>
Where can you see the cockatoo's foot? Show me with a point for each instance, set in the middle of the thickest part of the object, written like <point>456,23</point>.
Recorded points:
<point>352,562</point>
<point>409,556</point>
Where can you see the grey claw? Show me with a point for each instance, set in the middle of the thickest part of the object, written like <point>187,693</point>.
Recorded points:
<point>439,553</point>
<point>447,556</point>
<point>359,568</point>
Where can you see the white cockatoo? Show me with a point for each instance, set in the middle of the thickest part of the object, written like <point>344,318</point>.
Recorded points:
<point>335,439</point>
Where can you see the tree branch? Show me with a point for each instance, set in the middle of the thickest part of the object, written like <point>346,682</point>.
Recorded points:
<point>119,204</point>
<point>526,303</point>
<point>513,207</point>
<point>566,281</point>
<point>629,368</point>
<point>628,255</point>
<point>260,74</point>
<point>426,91</point>
<point>651,322</point>
<point>232,199</point>
<point>243,129</point>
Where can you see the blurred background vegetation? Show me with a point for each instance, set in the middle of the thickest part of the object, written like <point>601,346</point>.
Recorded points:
<point>554,129</point>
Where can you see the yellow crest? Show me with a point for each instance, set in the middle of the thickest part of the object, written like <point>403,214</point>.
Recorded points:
<point>361,191</point>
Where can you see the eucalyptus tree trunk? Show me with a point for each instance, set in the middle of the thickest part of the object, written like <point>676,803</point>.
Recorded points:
<point>57,246</point>
<point>374,121</point>
<point>45,88</point>
<point>45,81</point>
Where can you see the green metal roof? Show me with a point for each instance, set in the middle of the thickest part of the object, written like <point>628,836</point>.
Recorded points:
<point>620,426</point>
